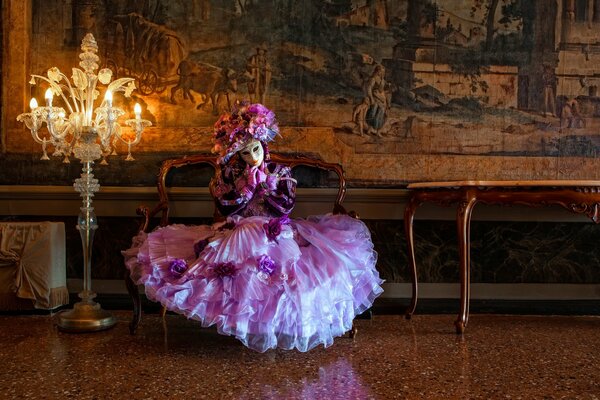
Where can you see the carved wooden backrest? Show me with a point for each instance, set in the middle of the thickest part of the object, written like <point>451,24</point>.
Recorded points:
<point>209,159</point>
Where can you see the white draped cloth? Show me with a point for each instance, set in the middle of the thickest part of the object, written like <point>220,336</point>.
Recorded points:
<point>32,265</point>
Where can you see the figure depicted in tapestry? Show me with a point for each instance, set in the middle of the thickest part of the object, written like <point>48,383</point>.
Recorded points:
<point>377,100</point>
<point>359,116</point>
<point>258,72</point>
<point>570,115</point>
<point>549,82</point>
<point>269,280</point>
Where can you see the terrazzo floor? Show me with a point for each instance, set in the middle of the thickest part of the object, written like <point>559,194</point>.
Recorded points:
<point>499,357</point>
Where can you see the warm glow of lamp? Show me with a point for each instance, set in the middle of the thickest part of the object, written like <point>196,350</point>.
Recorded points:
<point>48,96</point>
<point>108,97</point>
<point>89,131</point>
<point>137,109</point>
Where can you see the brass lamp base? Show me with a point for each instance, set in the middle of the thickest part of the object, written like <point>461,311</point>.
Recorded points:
<point>85,317</point>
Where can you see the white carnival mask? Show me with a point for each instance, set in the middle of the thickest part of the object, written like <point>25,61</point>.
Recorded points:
<point>253,153</point>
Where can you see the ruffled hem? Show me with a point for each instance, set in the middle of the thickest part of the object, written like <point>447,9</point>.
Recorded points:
<point>322,275</point>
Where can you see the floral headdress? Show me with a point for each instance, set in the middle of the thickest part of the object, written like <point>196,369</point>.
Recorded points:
<point>245,122</point>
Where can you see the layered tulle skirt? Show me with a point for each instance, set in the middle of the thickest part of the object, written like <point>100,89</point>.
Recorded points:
<point>270,282</point>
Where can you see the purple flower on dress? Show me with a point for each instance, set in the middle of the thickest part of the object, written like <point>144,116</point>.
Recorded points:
<point>224,269</point>
<point>266,264</point>
<point>199,246</point>
<point>273,227</point>
<point>178,266</point>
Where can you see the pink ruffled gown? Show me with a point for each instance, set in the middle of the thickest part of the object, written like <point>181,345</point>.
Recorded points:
<point>268,280</point>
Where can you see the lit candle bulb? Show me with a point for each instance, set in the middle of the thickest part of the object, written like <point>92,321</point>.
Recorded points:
<point>48,97</point>
<point>33,104</point>
<point>137,109</point>
<point>108,97</point>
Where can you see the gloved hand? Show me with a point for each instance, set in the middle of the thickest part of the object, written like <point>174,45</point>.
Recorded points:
<point>271,182</point>
<point>255,176</point>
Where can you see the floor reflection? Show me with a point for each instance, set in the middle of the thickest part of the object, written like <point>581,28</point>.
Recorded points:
<point>277,374</point>
<point>336,380</point>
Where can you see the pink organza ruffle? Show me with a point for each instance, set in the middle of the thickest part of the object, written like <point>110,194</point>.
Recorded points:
<point>323,276</point>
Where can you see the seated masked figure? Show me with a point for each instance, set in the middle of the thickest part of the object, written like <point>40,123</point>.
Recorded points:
<point>267,279</point>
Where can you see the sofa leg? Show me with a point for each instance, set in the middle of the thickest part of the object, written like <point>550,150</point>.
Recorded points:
<point>353,331</point>
<point>137,306</point>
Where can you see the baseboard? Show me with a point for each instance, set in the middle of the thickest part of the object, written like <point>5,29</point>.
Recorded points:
<point>479,291</point>
<point>384,306</point>
<point>389,306</point>
<point>435,298</point>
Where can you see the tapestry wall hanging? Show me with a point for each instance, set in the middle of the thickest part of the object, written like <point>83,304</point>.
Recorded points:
<point>395,90</point>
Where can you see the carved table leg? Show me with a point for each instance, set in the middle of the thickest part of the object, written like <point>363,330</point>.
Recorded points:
<point>463,223</point>
<point>409,214</point>
<point>137,306</point>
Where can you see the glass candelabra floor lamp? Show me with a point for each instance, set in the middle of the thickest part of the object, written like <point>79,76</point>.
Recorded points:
<point>89,133</point>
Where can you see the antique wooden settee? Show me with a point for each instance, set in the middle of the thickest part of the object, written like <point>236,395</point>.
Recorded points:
<point>160,212</point>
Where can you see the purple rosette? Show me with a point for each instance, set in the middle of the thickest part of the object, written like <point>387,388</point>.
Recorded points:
<point>266,264</point>
<point>224,269</point>
<point>266,267</point>
<point>274,226</point>
<point>178,266</point>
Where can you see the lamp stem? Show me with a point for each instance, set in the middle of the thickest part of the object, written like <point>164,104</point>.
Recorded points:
<point>87,315</point>
<point>87,225</point>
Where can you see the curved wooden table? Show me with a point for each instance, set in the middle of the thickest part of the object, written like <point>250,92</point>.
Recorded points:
<point>582,197</point>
